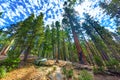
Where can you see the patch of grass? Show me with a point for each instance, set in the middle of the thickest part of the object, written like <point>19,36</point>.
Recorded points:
<point>10,63</point>
<point>64,70</point>
<point>98,61</point>
<point>99,70</point>
<point>54,68</point>
<point>67,73</point>
<point>48,73</point>
<point>84,75</point>
<point>2,71</point>
<point>113,64</point>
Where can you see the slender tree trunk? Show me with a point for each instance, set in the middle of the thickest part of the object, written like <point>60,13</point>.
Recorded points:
<point>58,43</point>
<point>57,61</point>
<point>6,48</point>
<point>105,42</point>
<point>53,48</point>
<point>93,52</point>
<point>69,48</point>
<point>43,51</point>
<point>89,54</point>
<point>53,51</point>
<point>58,40</point>
<point>64,48</point>
<point>26,54</point>
<point>81,56</point>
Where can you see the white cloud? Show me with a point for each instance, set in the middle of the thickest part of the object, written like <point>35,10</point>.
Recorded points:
<point>2,22</point>
<point>35,2</point>
<point>5,5</point>
<point>112,30</point>
<point>8,13</point>
<point>17,12</point>
<point>1,10</point>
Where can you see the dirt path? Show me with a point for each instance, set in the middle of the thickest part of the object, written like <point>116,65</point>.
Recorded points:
<point>106,77</point>
<point>32,72</point>
<point>26,73</point>
<point>51,72</point>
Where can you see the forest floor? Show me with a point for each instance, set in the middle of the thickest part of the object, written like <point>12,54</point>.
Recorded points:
<point>52,71</point>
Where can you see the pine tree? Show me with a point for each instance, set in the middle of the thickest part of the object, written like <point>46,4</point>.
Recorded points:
<point>69,19</point>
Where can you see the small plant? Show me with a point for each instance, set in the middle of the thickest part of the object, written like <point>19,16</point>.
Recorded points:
<point>98,61</point>
<point>84,75</point>
<point>54,68</point>
<point>69,73</point>
<point>2,71</point>
<point>48,73</point>
<point>99,70</point>
<point>9,68</point>
<point>13,54</point>
<point>112,63</point>
<point>95,70</point>
<point>64,70</point>
<point>10,64</point>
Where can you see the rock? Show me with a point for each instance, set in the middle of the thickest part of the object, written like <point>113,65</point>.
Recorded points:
<point>59,76</point>
<point>51,77</point>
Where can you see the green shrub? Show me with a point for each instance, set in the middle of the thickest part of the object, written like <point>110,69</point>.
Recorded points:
<point>95,70</point>
<point>101,69</point>
<point>112,63</point>
<point>10,60</point>
<point>10,64</point>
<point>9,68</point>
<point>54,68</point>
<point>69,73</point>
<point>13,54</point>
<point>98,70</point>
<point>98,61</point>
<point>84,75</point>
<point>64,70</point>
<point>2,71</point>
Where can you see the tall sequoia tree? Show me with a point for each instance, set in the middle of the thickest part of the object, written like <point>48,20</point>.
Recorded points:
<point>57,24</point>
<point>69,19</point>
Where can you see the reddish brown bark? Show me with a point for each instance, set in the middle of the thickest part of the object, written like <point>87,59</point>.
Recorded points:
<point>4,50</point>
<point>26,54</point>
<point>81,56</point>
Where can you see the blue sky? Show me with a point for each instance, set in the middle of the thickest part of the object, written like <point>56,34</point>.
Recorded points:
<point>17,10</point>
